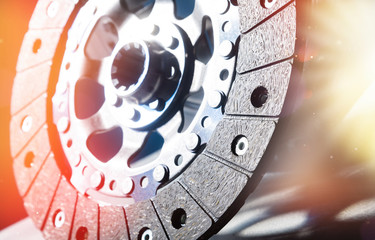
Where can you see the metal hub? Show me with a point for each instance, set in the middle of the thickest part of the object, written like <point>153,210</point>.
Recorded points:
<point>146,112</point>
<point>143,74</point>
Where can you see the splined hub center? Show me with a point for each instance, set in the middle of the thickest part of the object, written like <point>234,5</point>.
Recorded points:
<point>145,73</point>
<point>129,67</point>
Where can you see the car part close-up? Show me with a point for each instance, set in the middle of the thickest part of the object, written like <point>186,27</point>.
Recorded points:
<point>147,119</point>
<point>187,119</point>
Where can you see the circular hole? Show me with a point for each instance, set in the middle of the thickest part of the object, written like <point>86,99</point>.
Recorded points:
<point>112,185</point>
<point>53,9</point>
<point>155,30</point>
<point>82,233</point>
<point>259,97</point>
<point>84,170</point>
<point>179,218</point>
<point>67,66</point>
<point>173,72</point>
<point>174,44</point>
<point>145,234</point>
<point>29,159</point>
<point>127,186</point>
<point>178,160</point>
<point>37,45</point>
<point>206,122</point>
<point>58,218</point>
<point>226,27</point>
<point>234,2</point>
<point>62,107</point>
<point>224,74</point>
<point>144,182</point>
<point>240,145</point>
<point>76,160</point>
<point>267,3</point>
<point>128,66</point>
<point>27,124</point>
<point>75,47</point>
<point>69,143</point>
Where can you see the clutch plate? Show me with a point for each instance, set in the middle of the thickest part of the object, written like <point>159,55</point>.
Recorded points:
<point>147,119</point>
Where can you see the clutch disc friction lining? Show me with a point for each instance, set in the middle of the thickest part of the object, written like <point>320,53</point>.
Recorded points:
<point>146,119</point>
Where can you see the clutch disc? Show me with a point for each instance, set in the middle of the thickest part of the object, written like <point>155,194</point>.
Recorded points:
<point>141,119</point>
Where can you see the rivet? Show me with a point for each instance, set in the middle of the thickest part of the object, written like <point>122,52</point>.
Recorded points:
<point>267,3</point>
<point>97,180</point>
<point>160,173</point>
<point>192,142</point>
<point>63,125</point>
<point>53,9</point>
<point>240,145</point>
<point>27,124</point>
<point>127,186</point>
<point>222,6</point>
<point>59,218</point>
<point>226,49</point>
<point>215,99</point>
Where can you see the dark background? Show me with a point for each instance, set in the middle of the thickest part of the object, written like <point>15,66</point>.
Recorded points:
<point>14,18</point>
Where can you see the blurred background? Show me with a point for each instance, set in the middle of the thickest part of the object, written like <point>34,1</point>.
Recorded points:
<point>320,178</point>
<point>14,19</point>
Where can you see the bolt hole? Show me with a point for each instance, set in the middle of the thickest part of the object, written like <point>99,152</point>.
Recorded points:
<point>69,143</point>
<point>29,159</point>
<point>178,160</point>
<point>240,145</point>
<point>82,233</point>
<point>224,74</point>
<point>155,30</point>
<point>112,185</point>
<point>75,48</point>
<point>27,124</point>
<point>84,170</point>
<point>53,9</point>
<point>173,72</point>
<point>206,122</point>
<point>226,27</point>
<point>58,218</point>
<point>267,3</point>
<point>174,44</point>
<point>62,107</point>
<point>144,182</point>
<point>179,218</point>
<point>259,97</point>
<point>37,45</point>
<point>234,2</point>
<point>145,234</point>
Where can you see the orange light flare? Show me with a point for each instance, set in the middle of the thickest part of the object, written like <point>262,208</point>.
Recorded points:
<point>14,19</point>
<point>339,80</point>
<point>330,137</point>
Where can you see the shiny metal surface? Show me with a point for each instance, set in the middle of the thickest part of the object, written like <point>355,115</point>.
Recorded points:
<point>126,76</point>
